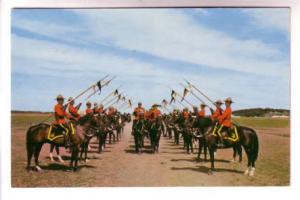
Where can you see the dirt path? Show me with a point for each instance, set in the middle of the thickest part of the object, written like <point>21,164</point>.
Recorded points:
<point>118,165</point>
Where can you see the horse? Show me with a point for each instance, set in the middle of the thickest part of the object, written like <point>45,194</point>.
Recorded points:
<point>38,135</point>
<point>244,136</point>
<point>155,133</point>
<point>138,132</point>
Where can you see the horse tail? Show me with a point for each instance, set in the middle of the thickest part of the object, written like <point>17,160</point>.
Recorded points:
<point>255,144</point>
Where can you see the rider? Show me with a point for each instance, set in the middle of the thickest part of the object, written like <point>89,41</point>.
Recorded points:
<point>225,120</point>
<point>88,108</point>
<point>218,112</point>
<point>186,113</point>
<point>155,112</point>
<point>73,110</point>
<point>60,114</point>
<point>95,108</point>
<point>111,111</point>
<point>101,109</point>
<point>201,113</point>
<point>138,111</point>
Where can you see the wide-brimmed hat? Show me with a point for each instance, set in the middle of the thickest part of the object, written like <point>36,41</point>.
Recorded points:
<point>60,97</point>
<point>95,104</point>
<point>155,105</point>
<point>139,103</point>
<point>219,101</point>
<point>88,103</point>
<point>229,100</point>
<point>203,105</point>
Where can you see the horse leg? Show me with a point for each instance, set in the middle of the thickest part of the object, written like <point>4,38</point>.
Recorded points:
<point>30,151</point>
<point>51,152</point>
<point>239,151</point>
<point>85,152</point>
<point>212,160</point>
<point>76,152</point>
<point>36,156</point>
<point>205,152</point>
<point>58,154</point>
<point>199,149</point>
<point>248,170</point>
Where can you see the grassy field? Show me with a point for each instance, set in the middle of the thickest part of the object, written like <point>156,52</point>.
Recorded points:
<point>264,122</point>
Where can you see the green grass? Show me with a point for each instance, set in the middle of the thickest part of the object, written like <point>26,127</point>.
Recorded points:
<point>264,122</point>
<point>19,120</point>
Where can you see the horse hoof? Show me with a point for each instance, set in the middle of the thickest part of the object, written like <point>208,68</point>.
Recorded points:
<point>87,160</point>
<point>251,173</point>
<point>38,169</point>
<point>60,160</point>
<point>232,161</point>
<point>210,172</point>
<point>246,172</point>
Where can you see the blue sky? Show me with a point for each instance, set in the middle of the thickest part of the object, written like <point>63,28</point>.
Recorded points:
<point>241,53</point>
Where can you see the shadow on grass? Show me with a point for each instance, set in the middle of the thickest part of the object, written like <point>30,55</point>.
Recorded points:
<point>205,170</point>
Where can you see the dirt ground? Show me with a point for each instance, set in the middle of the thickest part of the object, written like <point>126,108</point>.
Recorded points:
<point>118,165</point>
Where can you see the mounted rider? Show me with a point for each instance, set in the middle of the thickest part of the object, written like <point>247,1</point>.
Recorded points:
<point>201,113</point>
<point>73,110</point>
<point>60,115</point>
<point>88,108</point>
<point>218,112</point>
<point>95,108</point>
<point>101,109</point>
<point>186,113</point>
<point>224,121</point>
<point>137,113</point>
<point>155,112</point>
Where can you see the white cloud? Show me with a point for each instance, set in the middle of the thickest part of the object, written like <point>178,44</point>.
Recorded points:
<point>276,18</point>
<point>174,35</point>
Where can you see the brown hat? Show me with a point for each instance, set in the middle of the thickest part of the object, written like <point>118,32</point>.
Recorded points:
<point>60,97</point>
<point>88,103</point>
<point>229,100</point>
<point>203,105</point>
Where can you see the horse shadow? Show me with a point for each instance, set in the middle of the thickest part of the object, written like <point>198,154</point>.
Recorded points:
<point>205,170</point>
<point>62,167</point>
<point>132,151</point>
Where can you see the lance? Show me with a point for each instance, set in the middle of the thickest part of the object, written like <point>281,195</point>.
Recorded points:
<point>116,101</point>
<point>193,86</point>
<point>79,95</point>
<point>183,99</point>
<point>111,99</point>
<point>191,91</point>
<point>211,101</point>
<point>124,102</point>
<point>100,87</point>
<point>92,86</point>
<point>115,92</point>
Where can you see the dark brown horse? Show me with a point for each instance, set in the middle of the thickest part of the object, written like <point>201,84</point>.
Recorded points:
<point>243,136</point>
<point>156,129</point>
<point>38,135</point>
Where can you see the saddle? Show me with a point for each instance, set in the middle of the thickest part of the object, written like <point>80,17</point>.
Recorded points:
<point>231,135</point>
<point>57,131</point>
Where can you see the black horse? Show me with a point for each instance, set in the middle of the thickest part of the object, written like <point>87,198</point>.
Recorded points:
<point>156,128</point>
<point>138,131</point>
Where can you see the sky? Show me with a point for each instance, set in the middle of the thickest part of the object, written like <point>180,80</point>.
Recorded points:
<point>226,52</point>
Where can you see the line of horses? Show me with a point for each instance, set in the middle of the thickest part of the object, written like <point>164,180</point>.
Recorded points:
<point>196,129</point>
<point>104,127</point>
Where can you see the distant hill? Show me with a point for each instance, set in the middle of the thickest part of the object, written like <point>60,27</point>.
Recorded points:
<point>29,112</point>
<point>262,112</point>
